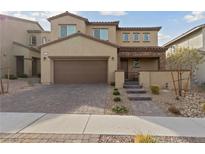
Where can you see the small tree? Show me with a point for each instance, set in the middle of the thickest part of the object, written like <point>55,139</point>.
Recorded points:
<point>184,59</point>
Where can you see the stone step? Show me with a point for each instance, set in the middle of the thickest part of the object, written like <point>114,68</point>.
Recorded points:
<point>139,97</point>
<point>136,91</point>
<point>132,86</point>
<point>131,83</point>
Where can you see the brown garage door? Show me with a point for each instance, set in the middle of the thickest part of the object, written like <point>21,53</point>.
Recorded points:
<point>80,71</point>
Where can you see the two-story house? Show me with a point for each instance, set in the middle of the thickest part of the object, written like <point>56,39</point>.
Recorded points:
<point>81,51</point>
<point>19,41</point>
<point>193,38</point>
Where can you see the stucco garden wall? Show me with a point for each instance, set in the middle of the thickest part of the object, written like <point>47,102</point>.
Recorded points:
<point>163,78</point>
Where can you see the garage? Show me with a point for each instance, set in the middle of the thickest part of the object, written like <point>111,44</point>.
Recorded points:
<point>80,71</point>
<point>78,58</point>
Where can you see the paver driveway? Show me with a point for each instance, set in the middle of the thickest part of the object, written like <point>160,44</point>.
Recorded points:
<point>81,98</point>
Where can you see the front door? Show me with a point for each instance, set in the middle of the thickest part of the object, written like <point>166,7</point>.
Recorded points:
<point>19,65</point>
<point>124,66</point>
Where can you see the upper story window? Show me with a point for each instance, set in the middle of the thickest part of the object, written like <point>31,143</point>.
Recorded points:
<point>33,40</point>
<point>146,37</point>
<point>66,30</point>
<point>125,37</point>
<point>136,36</point>
<point>44,40</point>
<point>101,33</point>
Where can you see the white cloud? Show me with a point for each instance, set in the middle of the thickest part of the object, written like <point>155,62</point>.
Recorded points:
<point>163,38</point>
<point>113,13</point>
<point>195,16</point>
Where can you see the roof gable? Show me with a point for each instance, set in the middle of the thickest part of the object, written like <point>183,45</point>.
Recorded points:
<point>2,17</point>
<point>79,34</point>
<point>67,14</point>
<point>184,35</point>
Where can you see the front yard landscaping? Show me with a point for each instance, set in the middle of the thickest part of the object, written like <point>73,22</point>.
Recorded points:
<point>89,138</point>
<point>117,102</point>
<point>192,105</point>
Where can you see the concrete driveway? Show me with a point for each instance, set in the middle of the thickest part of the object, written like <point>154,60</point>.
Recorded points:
<point>81,98</point>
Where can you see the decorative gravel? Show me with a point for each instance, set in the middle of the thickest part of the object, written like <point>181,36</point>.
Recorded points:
<point>159,139</point>
<point>116,139</point>
<point>189,106</point>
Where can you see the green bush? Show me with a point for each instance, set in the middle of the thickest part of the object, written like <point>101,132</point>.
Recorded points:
<point>116,93</point>
<point>112,83</point>
<point>115,89</point>
<point>23,76</point>
<point>117,99</point>
<point>119,109</point>
<point>174,110</point>
<point>154,89</point>
<point>11,77</point>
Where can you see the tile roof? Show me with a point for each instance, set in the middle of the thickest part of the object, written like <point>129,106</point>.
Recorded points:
<point>103,23</point>
<point>140,28</point>
<point>25,46</point>
<point>143,49</point>
<point>67,13</point>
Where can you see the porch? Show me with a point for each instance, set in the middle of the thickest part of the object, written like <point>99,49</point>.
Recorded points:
<point>131,60</point>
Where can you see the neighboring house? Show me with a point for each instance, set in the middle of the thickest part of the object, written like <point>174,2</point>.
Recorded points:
<point>194,38</point>
<point>19,41</point>
<point>81,51</point>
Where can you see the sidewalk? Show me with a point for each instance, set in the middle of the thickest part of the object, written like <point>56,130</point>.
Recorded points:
<point>100,124</point>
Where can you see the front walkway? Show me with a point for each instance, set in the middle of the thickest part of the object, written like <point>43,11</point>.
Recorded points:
<point>100,124</point>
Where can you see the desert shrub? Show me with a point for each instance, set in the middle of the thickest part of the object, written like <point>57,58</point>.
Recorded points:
<point>119,109</point>
<point>154,89</point>
<point>23,76</point>
<point>11,77</point>
<point>116,92</point>
<point>174,110</point>
<point>144,139</point>
<point>112,83</point>
<point>117,99</point>
<point>116,89</point>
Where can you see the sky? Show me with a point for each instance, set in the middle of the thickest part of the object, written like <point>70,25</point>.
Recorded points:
<point>173,23</point>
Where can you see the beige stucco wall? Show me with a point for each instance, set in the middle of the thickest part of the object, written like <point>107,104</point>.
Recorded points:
<point>13,30</point>
<point>55,25</point>
<point>119,79</point>
<point>28,55</point>
<point>161,78</point>
<point>153,38</point>
<point>76,47</point>
<point>111,31</point>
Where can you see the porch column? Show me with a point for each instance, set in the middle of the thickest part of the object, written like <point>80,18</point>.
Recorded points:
<point>162,62</point>
<point>118,62</point>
